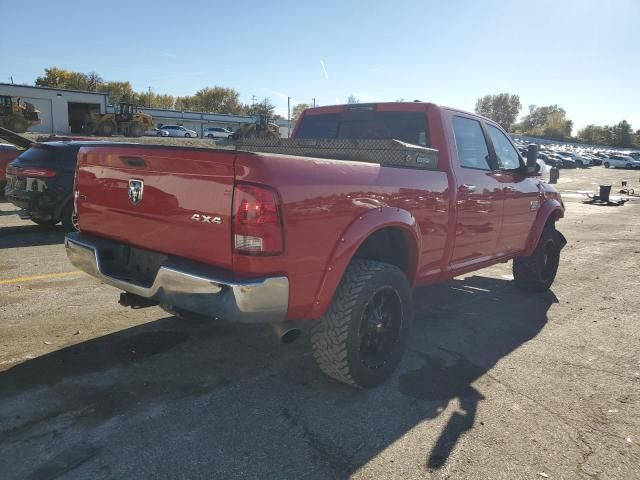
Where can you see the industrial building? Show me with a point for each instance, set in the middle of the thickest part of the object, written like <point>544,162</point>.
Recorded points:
<point>61,111</point>
<point>199,121</point>
<point>64,112</point>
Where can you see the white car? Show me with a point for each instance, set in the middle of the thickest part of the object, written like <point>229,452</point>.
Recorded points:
<point>621,161</point>
<point>156,132</point>
<point>217,132</point>
<point>178,131</point>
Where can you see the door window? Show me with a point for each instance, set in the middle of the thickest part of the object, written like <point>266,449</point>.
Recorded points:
<point>472,146</point>
<point>506,155</point>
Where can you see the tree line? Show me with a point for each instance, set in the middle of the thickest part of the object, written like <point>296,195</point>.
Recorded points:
<point>208,99</point>
<point>551,122</point>
<point>548,121</point>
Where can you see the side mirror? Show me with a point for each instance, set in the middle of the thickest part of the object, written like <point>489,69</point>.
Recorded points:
<point>532,159</point>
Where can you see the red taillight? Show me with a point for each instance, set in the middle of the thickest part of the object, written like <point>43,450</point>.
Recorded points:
<point>257,223</point>
<point>31,172</point>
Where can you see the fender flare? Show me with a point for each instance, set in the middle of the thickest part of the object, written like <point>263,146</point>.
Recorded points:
<point>353,237</point>
<point>551,209</point>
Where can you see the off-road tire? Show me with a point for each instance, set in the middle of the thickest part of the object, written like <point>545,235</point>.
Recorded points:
<point>106,129</point>
<point>335,338</point>
<point>537,272</point>
<point>135,129</point>
<point>17,125</point>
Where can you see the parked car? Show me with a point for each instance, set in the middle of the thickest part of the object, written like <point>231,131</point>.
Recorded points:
<point>562,161</point>
<point>156,132</point>
<point>299,238</point>
<point>581,160</point>
<point>7,154</point>
<point>548,159</point>
<point>621,161</point>
<point>178,131</point>
<point>217,132</point>
<point>596,161</point>
<point>40,182</point>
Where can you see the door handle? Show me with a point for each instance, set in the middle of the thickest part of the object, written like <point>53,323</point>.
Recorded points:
<point>467,187</point>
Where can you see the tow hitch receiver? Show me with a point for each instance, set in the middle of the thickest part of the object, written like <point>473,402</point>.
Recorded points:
<point>135,301</point>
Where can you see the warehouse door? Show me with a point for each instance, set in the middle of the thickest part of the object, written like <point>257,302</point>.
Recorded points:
<point>79,114</point>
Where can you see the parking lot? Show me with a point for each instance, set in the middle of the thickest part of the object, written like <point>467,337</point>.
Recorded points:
<point>497,383</point>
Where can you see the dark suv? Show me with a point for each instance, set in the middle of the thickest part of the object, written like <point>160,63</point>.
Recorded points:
<point>40,182</point>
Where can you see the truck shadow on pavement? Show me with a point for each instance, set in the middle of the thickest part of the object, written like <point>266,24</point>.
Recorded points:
<point>31,236</point>
<point>235,399</point>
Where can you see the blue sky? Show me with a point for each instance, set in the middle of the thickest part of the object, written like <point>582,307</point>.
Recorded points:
<point>583,55</point>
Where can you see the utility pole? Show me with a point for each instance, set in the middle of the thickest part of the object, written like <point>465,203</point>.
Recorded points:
<point>253,100</point>
<point>149,99</point>
<point>314,102</point>
<point>11,77</point>
<point>288,117</point>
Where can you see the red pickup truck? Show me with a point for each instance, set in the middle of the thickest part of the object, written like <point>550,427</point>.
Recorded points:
<point>246,236</point>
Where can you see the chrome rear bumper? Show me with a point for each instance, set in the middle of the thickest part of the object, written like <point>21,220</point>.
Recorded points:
<point>193,287</point>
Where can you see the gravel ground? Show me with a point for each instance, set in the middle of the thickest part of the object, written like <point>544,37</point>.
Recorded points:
<point>496,384</point>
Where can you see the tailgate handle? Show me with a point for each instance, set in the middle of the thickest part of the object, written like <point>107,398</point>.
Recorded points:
<point>134,161</point>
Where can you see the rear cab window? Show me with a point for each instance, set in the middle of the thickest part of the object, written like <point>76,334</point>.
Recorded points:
<point>409,127</point>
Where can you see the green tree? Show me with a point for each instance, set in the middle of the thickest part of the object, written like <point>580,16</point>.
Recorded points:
<point>353,99</point>
<point>618,135</point>
<point>591,134</point>
<point>153,100</point>
<point>298,109</point>
<point>264,107</point>
<point>548,122</point>
<point>61,78</point>
<point>118,91</point>
<point>502,108</point>
<point>622,134</point>
<point>218,99</point>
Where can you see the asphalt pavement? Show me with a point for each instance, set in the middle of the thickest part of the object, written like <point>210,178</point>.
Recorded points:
<point>496,384</point>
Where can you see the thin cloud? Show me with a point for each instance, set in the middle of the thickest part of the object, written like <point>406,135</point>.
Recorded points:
<point>168,54</point>
<point>324,69</point>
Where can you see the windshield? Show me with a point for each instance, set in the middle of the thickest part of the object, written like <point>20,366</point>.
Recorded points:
<point>409,127</point>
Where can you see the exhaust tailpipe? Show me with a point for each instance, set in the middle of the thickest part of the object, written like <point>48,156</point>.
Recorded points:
<point>286,332</point>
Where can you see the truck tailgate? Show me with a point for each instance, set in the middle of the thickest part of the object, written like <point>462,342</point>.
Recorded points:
<point>184,202</point>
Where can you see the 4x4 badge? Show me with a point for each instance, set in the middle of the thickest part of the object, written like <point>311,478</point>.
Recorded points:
<point>136,190</point>
<point>199,217</point>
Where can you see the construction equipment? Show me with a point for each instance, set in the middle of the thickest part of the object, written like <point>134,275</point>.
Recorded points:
<point>261,128</point>
<point>126,120</point>
<point>17,116</point>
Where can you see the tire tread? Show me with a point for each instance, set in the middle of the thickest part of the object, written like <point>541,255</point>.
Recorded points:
<point>329,335</point>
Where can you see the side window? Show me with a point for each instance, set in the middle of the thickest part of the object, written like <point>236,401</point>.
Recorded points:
<point>507,156</point>
<point>472,146</point>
